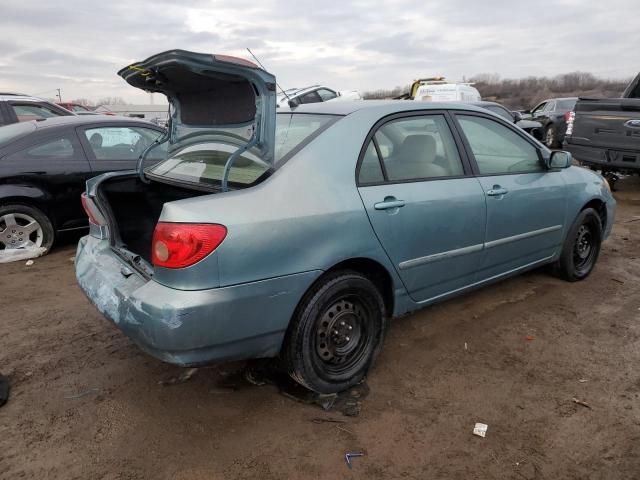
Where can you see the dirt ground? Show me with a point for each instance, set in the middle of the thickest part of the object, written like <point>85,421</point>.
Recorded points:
<point>87,404</point>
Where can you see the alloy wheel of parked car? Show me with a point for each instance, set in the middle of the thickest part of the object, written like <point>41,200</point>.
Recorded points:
<point>336,333</point>
<point>23,227</point>
<point>582,246</point>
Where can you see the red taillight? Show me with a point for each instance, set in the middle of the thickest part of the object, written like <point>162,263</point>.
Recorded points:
<point>94,216</point>
<point>567,115</point>
<point>179,245</point>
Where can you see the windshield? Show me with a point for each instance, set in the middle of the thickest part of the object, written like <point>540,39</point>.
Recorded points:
<point>204,162</point>
<point>8,133</point>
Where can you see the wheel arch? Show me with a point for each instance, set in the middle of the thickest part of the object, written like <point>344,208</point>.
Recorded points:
<point>374,271</point>
<point>599,206</point>
<point>30,201</point>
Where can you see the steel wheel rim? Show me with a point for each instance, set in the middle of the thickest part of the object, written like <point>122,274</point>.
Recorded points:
<point>584,248</point>
<point>342,335</point>
<point>19,230</point>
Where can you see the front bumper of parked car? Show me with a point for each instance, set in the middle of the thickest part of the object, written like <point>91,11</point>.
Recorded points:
<point>189,327</point>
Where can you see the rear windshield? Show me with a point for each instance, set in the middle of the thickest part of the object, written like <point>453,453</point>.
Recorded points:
<point>9,133</point>
<point>204,163</point>
<point>565,105</point>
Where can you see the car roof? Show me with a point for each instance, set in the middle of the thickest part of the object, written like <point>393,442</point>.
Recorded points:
<point>21,97</point>
<point>560,98</point>
<point>484,103</point>
<point>385,107</point>
<point>87,120</point>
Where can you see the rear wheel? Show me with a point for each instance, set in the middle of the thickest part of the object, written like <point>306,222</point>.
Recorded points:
<point>551,137</point>
<point>336,333</point>
<point>582,247</point>
<point>24,227</point>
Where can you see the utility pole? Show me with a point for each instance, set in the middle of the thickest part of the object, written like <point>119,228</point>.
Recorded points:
<point>59,95</point>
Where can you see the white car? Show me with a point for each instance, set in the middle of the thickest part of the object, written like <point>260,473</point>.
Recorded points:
<point>313,94</point>
<point>440,90</point>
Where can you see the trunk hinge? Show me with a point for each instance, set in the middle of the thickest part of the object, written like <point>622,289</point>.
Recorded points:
<point>253,141</point>
<point>158,141</point>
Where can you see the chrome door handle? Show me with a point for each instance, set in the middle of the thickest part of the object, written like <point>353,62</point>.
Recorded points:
<point>497,191</point>
<point>388,203</point>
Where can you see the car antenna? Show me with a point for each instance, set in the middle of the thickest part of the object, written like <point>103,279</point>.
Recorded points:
<point>262,66</point>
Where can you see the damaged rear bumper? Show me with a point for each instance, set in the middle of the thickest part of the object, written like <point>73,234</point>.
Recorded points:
<point>189,327</point>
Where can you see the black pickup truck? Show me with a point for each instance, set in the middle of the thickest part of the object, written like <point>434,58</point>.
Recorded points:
<point>605,133</point>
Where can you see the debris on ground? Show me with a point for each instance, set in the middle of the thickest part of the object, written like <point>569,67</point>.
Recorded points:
<point>580,402</point>
<point>259,373</point>
<point>480,429</point>
<point>5,387</point>
<point>349,455</point>
<point>529,338</point>
<point>82,394</point>
<point>618,281</point>
<point>28,263</point>
<point>326,420</point>
<point>16,254</point>
<point>182,378</point>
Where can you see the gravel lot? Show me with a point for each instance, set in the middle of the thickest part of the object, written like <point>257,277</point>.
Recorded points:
<point>87,404</point>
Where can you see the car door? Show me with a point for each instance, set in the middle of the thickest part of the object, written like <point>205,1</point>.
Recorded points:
<point>425,207</point>
<point>54,164</point>
<point>526,203</point>
<point>112,147</point>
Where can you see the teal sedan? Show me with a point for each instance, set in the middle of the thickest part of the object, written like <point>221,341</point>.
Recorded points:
<point>299,235</point>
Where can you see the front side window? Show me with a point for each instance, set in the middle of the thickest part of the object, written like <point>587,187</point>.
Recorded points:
<point>498,149</point>
<point>26,112</point>
<point>538,110</point>
<point>414,148</point>
<point>311,97</point>
<point>123,143</point>
<point>326,94</point>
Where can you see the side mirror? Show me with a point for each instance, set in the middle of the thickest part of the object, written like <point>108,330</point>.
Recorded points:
<point>517,116</point>
<point>559,159</point>
<point>294,102</point>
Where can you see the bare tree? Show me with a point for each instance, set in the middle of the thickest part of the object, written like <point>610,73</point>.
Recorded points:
<point>83,101</point>
<point>112,101</point>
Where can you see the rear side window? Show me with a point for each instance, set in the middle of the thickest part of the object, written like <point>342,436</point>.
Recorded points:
<point>57,148</point>
<point>565,105</point>
<point>28,112</point>
<point>123,143</point>
<point>498,149</point>
<point>414,148</point>
<point>370,170</point>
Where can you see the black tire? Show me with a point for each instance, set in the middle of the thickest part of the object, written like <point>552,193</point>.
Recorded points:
<point>48,233</point>
<point>581,247</point>
<point>551,137</point>
<point>336,333</point>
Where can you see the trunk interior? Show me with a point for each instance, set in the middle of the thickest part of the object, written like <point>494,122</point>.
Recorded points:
<point>135,208</point>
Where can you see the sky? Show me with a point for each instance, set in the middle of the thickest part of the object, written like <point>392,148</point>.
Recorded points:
<point>79,45</point>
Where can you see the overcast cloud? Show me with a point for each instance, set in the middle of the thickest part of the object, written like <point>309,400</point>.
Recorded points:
<point>78,46</point>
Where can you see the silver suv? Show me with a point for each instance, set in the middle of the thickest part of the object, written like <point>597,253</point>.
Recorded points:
<point>16,107</point>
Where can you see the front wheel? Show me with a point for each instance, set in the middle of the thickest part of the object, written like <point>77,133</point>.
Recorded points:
<point>582,247</point>
<point>336,333</point>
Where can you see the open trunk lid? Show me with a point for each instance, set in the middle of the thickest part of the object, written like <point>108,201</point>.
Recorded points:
<point>213,98</point>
